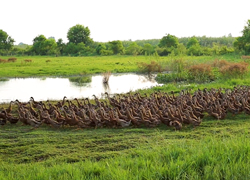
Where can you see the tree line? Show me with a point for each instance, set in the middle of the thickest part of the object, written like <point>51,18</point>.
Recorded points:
<point>80,44</point>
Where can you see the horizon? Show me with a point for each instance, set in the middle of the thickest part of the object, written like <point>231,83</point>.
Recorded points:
<point>124,20</point>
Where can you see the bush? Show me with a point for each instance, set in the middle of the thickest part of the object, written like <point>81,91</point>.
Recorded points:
<point>219,63</point>
<point>149,68</point>
<point>105,52</point>
<point>200,73</point>
<point>12,59</point>
<point>234,70</point>
<point>225,50</point>
<point>195,50</point>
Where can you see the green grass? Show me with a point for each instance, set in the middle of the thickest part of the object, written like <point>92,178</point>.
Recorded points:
<point>214,150</point>
<point>65,66</point>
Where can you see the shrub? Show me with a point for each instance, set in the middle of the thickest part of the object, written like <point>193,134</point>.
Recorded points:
<point>234,70</point>
<point>178,68</point>
<point>245,58</point>
<point>105,52</point>
<point>225,50</point>
<point>12,58</point>
<point>219,63</point>
<point>3,61</point>
<point>195,50</point>
<point>149,68</point>
<point>200,73</point>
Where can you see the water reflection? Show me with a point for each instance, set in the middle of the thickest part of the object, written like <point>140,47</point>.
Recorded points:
<point>56,88</point>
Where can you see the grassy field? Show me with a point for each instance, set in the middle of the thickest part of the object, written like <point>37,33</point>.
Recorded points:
<point>214,150</point>
<point>67,66</point>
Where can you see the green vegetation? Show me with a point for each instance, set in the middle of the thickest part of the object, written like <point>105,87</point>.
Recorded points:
<point>67,66</point>
<point>243,42</point>
<point>80,80</point>
<point>187,71</point>
<point>4,79</point>
<point>214,150</point>
<point>80,44</point>
<point>6,42</point>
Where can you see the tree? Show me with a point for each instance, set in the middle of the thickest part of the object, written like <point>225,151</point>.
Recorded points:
<point>71,48</point>
<point>243,42</point>
<point>133,49</point>
<point>168,41</point>
<point>50,46</point>
<point>181,49</point>
<point>116,47</point>
<point>195,50</point>
<point>100,48</point>
<point>60,46</point>
<point>78,34</point>
<point>6,42</point>
<point>192,41</point>
<point>38,45</point>
<point>147,49</point>
<point>44,46</point>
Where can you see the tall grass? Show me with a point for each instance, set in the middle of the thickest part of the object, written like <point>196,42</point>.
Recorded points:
<point>149,68</point>
<point>204,72</point>
<point>216,156</point>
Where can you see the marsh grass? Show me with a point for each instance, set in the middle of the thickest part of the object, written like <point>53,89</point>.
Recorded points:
<point>3,79</point>
<point>149,68</point>
<point>80,80</point>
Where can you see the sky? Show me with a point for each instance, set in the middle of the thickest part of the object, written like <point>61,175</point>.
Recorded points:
<point>110,20</point>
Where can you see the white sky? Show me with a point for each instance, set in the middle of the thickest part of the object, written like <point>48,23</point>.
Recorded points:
<point>110,20</point>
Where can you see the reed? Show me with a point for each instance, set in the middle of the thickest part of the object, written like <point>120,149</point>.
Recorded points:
<point>105,77</point>
<point>80,80</point>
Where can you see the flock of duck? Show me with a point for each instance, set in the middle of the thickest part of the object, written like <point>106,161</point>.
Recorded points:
<point>131,110</point>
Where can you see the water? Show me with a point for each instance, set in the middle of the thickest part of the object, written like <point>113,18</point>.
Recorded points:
<point>43,89</point>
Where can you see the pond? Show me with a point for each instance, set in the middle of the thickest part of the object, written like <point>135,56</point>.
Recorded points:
<point>43,89</point>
